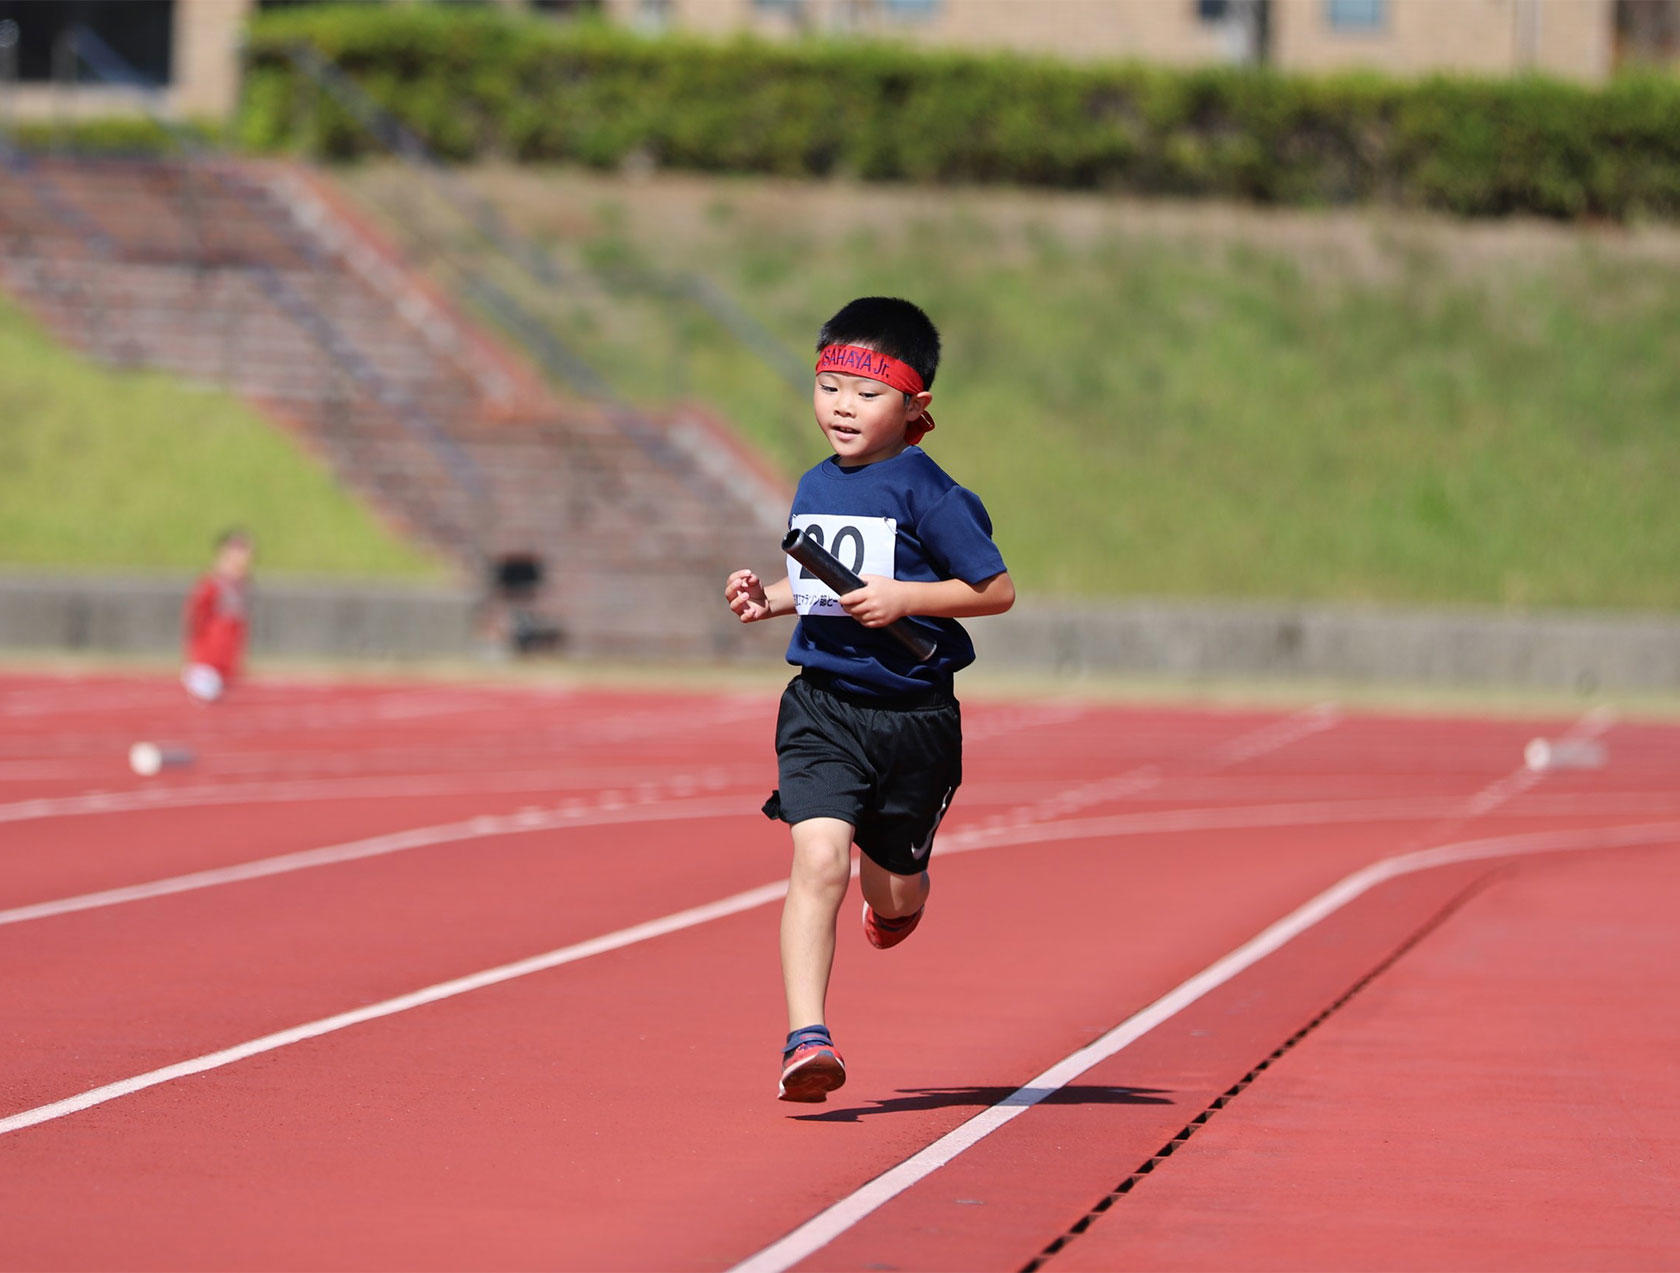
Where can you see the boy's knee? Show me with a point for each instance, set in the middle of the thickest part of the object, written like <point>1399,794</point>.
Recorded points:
<point>821,866</point>
<point>822,856</point>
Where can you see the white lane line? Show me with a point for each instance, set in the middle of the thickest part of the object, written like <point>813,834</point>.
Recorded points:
<point>475,828</point>
<point>529,820</point>
<point>296,789</point>
<point>1269,738</point>
<point>1134,782</point>
<point>1233,818</point>
<point>1119,826</point>
<point>826,1226</point>
<point>1244,746</point>
<point>732,905</point>
<point>829,1224</point>
<point>724,806</point>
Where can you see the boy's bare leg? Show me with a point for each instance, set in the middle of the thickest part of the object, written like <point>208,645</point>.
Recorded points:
<point>891,896</point>
<point>822,868</point>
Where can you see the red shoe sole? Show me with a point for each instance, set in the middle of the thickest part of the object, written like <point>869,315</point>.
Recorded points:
<point>811,1078</point>
<point>884,939</point>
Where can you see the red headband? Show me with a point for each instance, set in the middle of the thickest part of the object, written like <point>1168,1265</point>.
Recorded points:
<point>854,360</point>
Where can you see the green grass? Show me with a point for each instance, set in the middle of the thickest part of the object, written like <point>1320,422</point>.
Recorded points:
<point>107,469</point>
<point>1193,402</point>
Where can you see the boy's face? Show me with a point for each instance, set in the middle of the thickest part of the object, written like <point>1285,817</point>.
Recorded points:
<point>233,559</point>
<point>863,420</point>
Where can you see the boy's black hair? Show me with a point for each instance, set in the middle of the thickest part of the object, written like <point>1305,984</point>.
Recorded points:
<point>233,535</point>
<point>888,326</point>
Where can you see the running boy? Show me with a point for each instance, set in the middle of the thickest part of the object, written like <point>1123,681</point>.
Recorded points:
<point>869,741</point>
<point>216,620</point>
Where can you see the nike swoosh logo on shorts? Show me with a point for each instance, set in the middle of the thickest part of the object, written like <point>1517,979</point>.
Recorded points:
<point>920,851</point>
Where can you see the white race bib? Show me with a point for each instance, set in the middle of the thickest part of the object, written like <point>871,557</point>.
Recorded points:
<point>864,544</point>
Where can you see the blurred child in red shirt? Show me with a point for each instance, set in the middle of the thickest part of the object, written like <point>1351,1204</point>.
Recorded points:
<point>217,619</point>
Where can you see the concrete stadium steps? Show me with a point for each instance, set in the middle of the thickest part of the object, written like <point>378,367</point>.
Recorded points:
<point>150,211</point>
<point>244,277</point>
<point>200,321</point>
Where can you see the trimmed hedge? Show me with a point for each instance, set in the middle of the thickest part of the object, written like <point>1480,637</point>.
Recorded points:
<point>487,83</point>
<point>116,135</point>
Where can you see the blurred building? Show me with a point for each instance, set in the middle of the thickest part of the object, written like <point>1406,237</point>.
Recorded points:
<point>1578,39</point>
<point>185,53</point>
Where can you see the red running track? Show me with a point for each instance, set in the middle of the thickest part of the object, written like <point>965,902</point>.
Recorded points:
<point>407,976</point>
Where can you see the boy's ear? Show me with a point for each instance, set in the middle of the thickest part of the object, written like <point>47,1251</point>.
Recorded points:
<point>919,403</point>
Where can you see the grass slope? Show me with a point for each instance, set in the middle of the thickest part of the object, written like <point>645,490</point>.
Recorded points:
<point>108,469</point>
<point>1188,400</point>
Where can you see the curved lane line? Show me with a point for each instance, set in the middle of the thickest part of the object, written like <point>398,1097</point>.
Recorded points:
<point>286,790</point>
<point>1244,747</point>
<point>829,1224</point>
<point>402,1003</point>
<point>823,1228</point>
<point>475,828</point>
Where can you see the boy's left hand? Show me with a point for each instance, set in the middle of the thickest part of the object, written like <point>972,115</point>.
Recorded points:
<point>879,602</point>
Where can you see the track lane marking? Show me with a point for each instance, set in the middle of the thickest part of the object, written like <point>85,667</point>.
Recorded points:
<point>479,827</point>
<point>309,789</point>
<point>623,937</point>
<point>322,787</point>
<point>827,1225</point>
<point>947,1147</point>
<point>1269,737</point>
<point>969,840</point>
<point>1272,736</point>
<point>835,1220</point>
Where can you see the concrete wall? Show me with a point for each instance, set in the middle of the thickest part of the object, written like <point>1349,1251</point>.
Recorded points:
<point>142,615</point>
<point>1358,644</point>
<point>1178,639</point>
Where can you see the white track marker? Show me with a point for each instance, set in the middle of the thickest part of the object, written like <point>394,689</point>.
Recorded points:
<point>829,1224</point>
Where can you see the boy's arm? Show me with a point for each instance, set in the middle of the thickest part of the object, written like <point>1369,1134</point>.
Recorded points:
<point>882,601</point>
<point>196,612</point>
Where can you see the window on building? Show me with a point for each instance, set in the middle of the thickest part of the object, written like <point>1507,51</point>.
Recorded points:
<point>140,32</point>
<point>1213,10</point>
<point>911,10</point>
<point>653,15</point>
<point>1355,15</point>
<point>1647,31</point>
<point>567,8</point>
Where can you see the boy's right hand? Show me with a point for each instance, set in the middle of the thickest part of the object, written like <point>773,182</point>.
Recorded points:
<point>745,594</point>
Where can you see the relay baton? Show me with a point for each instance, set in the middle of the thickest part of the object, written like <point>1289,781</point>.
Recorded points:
<point>810,553</point>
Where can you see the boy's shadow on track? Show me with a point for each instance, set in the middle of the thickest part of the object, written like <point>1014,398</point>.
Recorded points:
<point>920,1098</point>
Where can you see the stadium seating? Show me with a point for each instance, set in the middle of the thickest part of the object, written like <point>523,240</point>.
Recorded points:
<point>256,278</point>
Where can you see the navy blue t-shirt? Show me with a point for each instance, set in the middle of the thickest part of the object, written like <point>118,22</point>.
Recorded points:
<point>903,518</point>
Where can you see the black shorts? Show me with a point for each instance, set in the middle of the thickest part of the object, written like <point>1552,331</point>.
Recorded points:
<point>888,767</point>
